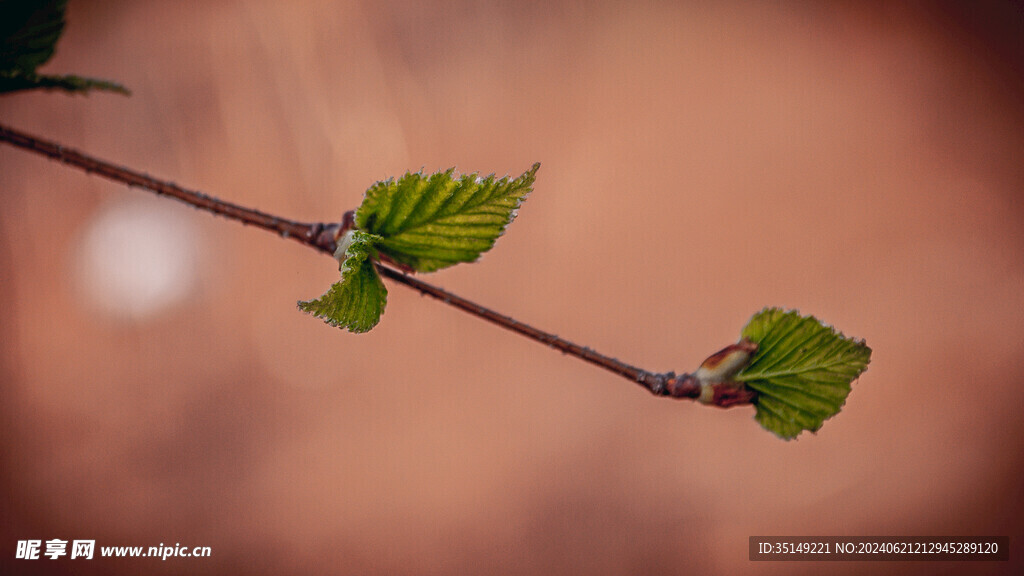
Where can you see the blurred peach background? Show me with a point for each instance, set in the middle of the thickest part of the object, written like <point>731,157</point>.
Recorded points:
<point>861,162</point>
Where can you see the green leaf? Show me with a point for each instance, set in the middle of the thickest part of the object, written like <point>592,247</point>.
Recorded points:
<point>29,30</point>
<point>69,83</point>
<point>429,223</point>
<point>358,300</point>
<point>802,370</point>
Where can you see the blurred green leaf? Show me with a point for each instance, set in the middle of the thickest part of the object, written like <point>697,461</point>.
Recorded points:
<point>70,83</point>
<point>29,30</point>
<point>802,370</point>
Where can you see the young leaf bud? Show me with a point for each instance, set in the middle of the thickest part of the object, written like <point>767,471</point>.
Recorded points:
<point>717,371</point>
<point>726,363</point>
<point>343,243</point>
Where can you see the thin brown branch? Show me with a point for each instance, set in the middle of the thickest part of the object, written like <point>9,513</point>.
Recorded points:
<point>322,237</point>
<point>653,382</point>
<point>309,234</point>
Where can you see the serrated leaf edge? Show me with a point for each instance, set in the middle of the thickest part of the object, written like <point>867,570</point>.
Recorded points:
<point>769,411</point>
<point>350,263</point>
<point>392,245</point>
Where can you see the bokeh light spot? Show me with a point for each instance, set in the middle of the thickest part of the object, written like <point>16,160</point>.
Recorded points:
<point>137,258</point>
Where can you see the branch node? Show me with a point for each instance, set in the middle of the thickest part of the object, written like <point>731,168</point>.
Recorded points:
<point>314,230</point>
<point>683,386</point>
<point>656,383</point>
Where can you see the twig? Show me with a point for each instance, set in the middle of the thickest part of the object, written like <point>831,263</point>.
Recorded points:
<point>309,234</point>
<point>323,236</point>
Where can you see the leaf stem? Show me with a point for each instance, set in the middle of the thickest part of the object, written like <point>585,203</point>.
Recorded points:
<point>322,237</point>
